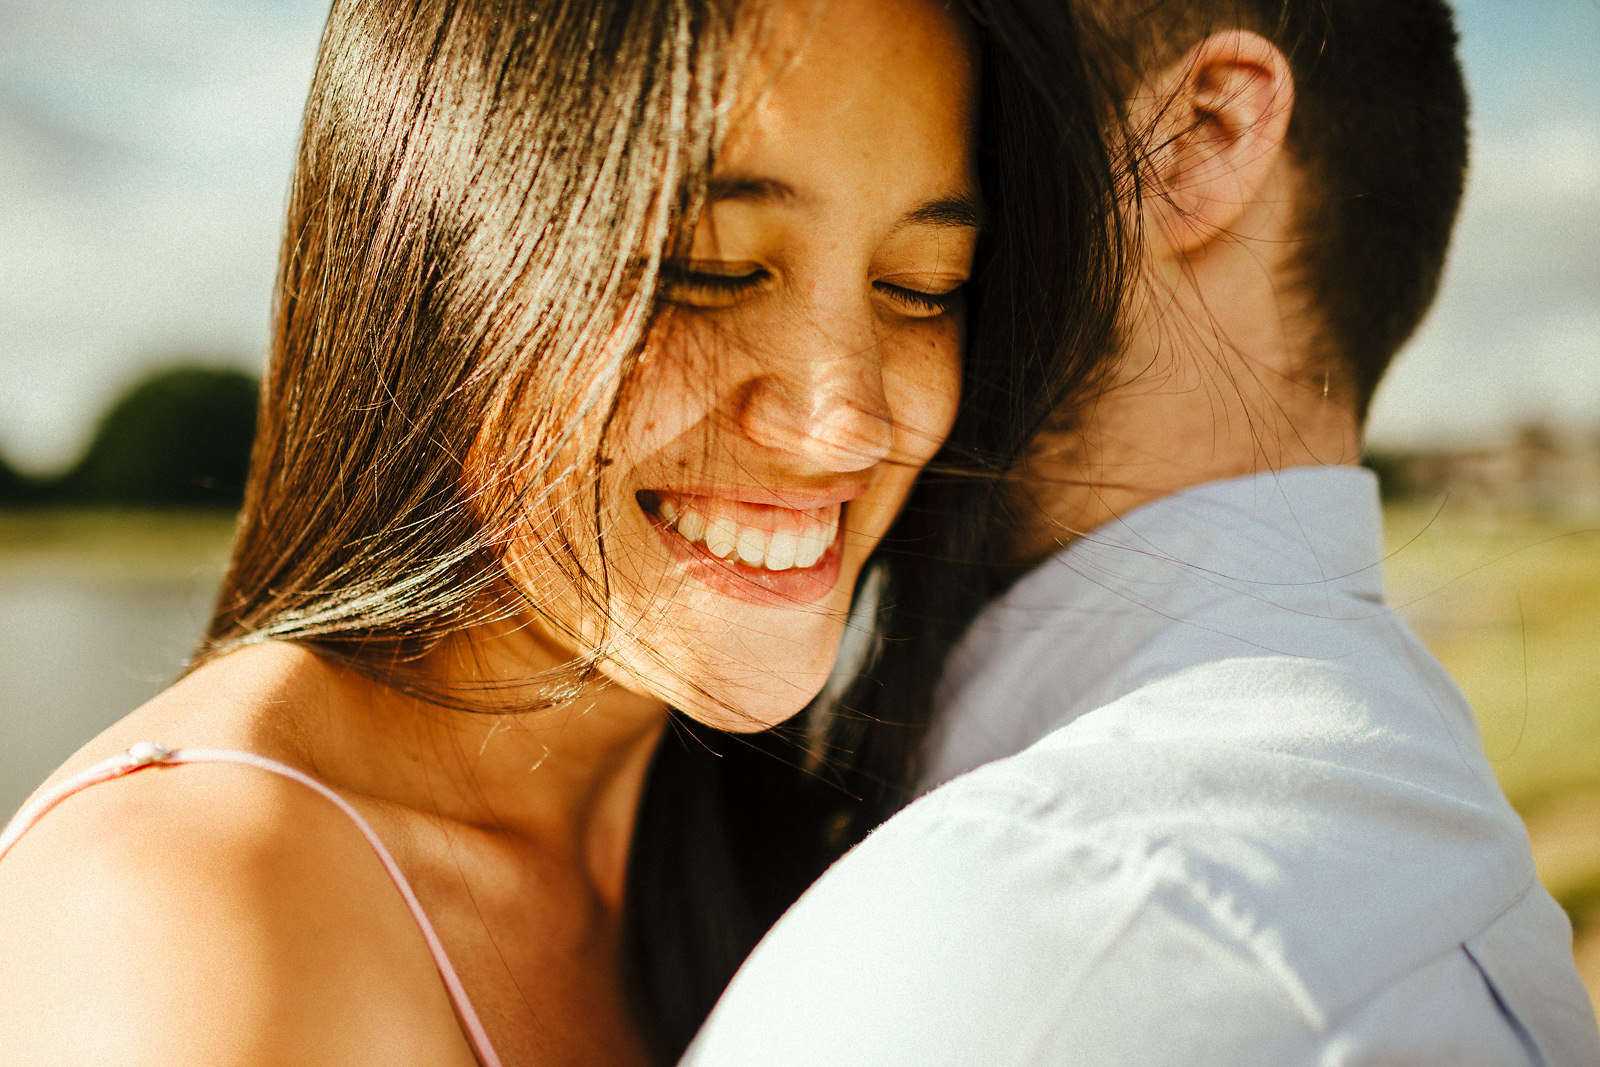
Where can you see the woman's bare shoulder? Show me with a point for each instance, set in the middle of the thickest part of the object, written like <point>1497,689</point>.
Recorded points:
<point>211,913</point>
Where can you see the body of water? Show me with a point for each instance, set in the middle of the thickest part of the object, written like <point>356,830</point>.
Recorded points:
<point>97,615</point>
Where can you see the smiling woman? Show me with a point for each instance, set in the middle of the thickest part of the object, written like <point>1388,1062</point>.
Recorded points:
<point>610,339</point>
<point>807,364</point>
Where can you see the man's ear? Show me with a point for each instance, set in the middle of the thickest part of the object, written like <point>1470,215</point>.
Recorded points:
<point>1213,125</point>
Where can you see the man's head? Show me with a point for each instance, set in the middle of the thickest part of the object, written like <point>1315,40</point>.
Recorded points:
<point>1378,132</point>
<point>1294,169</point>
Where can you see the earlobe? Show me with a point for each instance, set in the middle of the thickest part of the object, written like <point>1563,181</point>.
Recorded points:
<point>1214,124</point>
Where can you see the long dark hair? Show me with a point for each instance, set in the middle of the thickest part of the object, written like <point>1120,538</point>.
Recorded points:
<point>734,828</point>
<point>484,197</point>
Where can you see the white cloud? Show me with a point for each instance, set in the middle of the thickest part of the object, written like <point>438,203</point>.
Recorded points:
<point>1515,335</point>
<point>145,150</point>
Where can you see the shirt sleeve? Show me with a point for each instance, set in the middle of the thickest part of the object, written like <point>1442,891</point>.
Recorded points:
<point>969,931</point>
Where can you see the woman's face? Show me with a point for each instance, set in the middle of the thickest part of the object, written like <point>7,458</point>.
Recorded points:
<point>807,364</point>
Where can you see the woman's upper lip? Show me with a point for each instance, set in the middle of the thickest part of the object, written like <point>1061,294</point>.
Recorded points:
<point>797,498</point>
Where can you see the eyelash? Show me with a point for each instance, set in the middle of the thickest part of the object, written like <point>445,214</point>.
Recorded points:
<point>932,303</point>
<point>676,279</point>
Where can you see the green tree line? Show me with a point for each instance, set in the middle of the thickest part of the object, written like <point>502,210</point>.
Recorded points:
<point>179,438</point>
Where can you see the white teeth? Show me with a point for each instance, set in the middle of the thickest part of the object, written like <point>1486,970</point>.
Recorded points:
<point>813,543</point>
<point>722,537</point>
<point>692,525</point>
<point>781,551</point>
<point>752,546</point>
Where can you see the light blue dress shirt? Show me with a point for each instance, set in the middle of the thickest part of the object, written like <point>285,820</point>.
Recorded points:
<point>1201,799</point>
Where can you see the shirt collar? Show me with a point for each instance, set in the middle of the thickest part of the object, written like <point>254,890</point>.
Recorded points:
<point>1307,539</point>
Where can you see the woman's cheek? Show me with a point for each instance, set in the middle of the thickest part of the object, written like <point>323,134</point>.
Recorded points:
<point>925,389</point>
<point>667,394</point>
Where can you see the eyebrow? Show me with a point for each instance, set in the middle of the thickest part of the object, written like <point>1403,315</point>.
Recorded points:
<point>963,210</point>
<point>746,188</point>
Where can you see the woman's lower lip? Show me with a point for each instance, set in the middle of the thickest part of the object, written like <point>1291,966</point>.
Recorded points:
<point>796,586</point>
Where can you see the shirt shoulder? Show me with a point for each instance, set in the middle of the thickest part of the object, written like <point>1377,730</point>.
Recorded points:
<point>1145,888</point>
<point>965,930</point>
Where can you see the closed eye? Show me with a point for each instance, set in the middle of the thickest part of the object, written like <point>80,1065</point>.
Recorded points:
<point>919,303</point>
<point>693,285</point>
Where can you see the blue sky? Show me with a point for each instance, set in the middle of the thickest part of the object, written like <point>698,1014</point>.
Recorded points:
<point>1515,335</point>
<point>145,147</point>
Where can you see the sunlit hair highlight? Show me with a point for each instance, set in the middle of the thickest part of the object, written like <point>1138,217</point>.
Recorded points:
<point>484,197</point>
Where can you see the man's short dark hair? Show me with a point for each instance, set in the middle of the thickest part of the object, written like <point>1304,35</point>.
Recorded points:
<point>1379,130</point>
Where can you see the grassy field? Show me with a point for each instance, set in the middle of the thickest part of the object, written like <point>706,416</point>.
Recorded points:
<point>115,544</point>
<point>1511,604</point>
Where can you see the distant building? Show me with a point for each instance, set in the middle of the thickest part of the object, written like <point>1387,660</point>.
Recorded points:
<point>1535,471</point>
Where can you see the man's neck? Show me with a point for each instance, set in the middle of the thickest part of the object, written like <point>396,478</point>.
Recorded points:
<point>1207,388</point>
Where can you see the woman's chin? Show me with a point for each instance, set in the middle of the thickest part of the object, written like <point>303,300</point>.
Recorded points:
<point>750,709</point>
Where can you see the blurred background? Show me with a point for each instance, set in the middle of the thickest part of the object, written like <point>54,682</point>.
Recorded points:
<point>145,148</point>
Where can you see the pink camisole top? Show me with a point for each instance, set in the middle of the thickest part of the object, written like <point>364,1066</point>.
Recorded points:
<point>148,754</point>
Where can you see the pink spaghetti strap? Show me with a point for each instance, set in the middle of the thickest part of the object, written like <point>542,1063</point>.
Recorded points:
<point>148,754</point>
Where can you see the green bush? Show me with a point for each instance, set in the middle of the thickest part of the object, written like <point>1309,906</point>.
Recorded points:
<point>181,437</point>
<point>16,488</point>
<point>1396,473</point>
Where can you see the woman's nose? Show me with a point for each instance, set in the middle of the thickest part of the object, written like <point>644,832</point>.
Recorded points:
<point>825,406</point>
